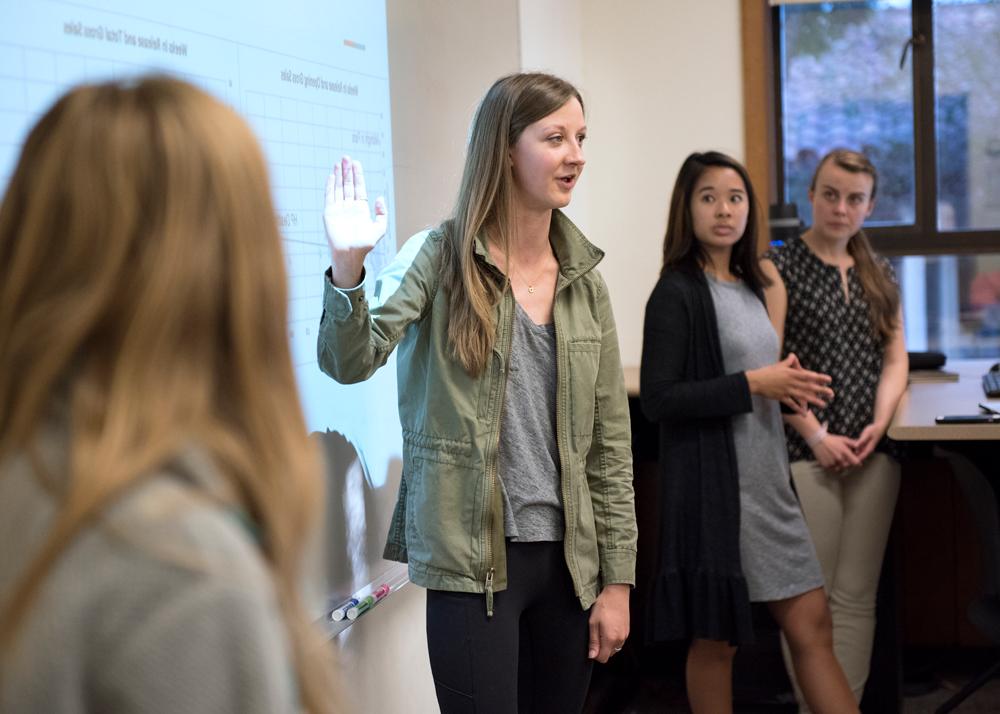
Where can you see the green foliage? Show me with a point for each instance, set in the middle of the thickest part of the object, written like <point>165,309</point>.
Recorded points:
<point>812,30</point>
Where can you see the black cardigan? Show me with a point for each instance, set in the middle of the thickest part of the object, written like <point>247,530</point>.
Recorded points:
<point>698,588</point>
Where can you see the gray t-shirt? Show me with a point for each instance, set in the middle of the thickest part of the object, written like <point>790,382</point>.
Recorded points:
<point>529,456</point>
<point>164,604</point>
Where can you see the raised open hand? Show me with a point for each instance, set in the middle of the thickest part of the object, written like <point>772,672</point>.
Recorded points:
<point>350,229</point>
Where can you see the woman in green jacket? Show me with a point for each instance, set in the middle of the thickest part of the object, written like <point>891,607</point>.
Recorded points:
<point>516,507</point>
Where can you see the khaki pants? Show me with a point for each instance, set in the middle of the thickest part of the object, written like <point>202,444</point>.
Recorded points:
<point>849,515</point>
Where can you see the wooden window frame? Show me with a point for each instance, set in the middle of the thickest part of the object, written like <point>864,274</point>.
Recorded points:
<point>763,141</point>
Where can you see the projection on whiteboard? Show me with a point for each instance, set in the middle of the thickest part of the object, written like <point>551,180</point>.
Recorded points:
<point>312,80</point>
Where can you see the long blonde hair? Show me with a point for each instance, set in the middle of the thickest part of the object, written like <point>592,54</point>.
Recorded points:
<point>486,203</point>
<point>880,291</point>
<point>141,284</point>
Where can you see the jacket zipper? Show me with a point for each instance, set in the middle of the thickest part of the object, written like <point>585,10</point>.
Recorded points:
<point>492,471</point>
<point>489,592</point>
<point>562,449</point>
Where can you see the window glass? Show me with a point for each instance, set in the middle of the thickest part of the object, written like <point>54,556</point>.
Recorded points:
<point>842,87</point>
<point>967,110</point>
<point>951,303</point>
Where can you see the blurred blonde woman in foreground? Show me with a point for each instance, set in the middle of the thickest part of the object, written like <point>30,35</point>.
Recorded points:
<point>156,481</point>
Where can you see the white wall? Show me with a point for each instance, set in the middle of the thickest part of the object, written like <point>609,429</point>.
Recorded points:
<point>443,55</point>
<point>551,33</point>
<point>660,80</point>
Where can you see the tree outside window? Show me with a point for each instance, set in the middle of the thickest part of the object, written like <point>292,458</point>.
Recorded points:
<point>915,86</point>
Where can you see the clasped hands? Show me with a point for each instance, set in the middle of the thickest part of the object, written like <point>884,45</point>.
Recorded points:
<point>839,453</point>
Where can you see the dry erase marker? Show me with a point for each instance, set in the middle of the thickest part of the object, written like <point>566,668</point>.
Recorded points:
<point>368,603</point>
<point>341,612</point>
<point>361,608</point>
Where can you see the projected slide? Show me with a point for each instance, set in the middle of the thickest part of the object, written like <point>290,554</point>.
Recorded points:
<point>311,77</point>
<point>312,80</point>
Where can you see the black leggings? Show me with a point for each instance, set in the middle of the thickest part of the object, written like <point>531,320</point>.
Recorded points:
<point>531,656</point>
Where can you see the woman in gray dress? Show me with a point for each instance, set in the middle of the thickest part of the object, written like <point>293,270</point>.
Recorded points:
<point>732,531</point>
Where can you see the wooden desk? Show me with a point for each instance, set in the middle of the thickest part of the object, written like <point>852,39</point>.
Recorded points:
<point>940,571</point>
<point>923,401</point>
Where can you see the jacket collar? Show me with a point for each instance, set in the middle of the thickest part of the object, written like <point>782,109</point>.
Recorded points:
<point>576,255</point>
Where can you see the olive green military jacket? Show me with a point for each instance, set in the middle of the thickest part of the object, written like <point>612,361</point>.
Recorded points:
<point>448,521</point>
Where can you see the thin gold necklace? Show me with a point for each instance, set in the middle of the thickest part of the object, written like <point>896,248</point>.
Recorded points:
<point>529,283</point>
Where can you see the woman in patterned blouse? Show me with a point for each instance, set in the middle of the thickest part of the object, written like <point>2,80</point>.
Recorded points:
<point>837,305</point>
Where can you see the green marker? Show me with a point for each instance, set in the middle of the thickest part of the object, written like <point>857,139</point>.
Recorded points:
<point>368,603</point>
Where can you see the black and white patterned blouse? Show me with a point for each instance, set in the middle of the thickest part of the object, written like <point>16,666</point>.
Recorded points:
<point>830,335</point>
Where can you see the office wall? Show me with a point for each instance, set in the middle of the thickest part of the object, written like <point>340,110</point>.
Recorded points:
<point>660,80</point>
<point>443,54</point>
<point>551,33</point>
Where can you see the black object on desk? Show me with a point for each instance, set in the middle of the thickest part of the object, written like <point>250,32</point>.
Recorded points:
<point>925,360</point>
<point>968,419</point>
<point>784,222</point>
<point>991,382</point>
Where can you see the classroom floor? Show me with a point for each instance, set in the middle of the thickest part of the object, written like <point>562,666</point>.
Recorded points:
<point>929,680</point>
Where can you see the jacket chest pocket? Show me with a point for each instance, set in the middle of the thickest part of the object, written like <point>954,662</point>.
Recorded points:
<point>584,362</point>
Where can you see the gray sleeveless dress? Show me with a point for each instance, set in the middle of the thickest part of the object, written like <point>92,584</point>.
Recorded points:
<point>776,552</point>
